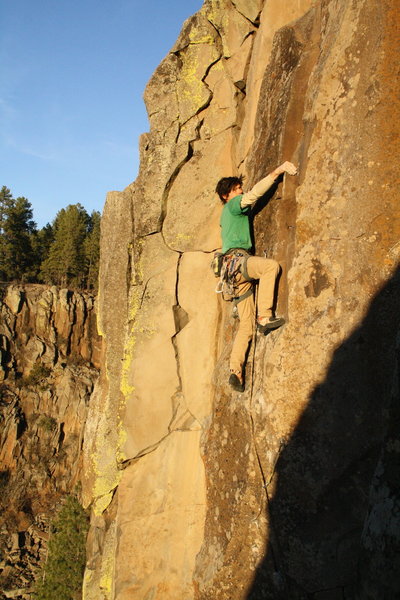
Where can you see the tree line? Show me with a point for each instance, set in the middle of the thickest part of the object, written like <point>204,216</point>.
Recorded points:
<point>64,253</point>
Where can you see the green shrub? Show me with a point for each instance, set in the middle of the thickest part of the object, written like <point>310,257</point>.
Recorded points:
<point>4,479</point>
<point>62,575</point>
<point>47,423</point>
<point>38,373</point>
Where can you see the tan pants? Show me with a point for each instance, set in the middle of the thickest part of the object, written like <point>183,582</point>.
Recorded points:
<point>266,270</point>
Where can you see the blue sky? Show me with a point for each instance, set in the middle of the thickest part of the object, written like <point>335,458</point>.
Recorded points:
<point>72,76</point>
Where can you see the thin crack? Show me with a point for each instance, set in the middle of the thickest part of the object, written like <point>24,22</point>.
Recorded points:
<point>189,154</point>
<point>256,22</point>
<point>149,450</point>
<point>217,32</point>
<point>152,448</point>
<point>171,427</point>
<point>145,286</point>
<point>155,112</point>
<point>179,132</point>
<point>210,66</point>
<point>173,338</point>
<point>150,233</point>
<point>181,320</point>
<point>171,180</point>
<point>168,185</point>
<point>177,281</point>
<point>276,552</point>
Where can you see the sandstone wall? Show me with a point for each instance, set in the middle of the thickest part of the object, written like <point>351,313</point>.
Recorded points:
<point>49,360</point>
<point>288,490</point>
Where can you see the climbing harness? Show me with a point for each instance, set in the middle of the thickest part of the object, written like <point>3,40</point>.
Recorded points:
<point>229,267</point>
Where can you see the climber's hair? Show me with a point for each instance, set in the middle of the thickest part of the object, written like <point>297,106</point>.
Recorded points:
<point>226,184</point>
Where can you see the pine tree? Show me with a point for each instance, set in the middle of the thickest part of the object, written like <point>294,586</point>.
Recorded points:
<point>92,251</point>
<point>41,241</point>
<point>63,572</point>
<point>65,264</point>
<point>6,201</point>
<point>65,253</point>
<point>16,228</point>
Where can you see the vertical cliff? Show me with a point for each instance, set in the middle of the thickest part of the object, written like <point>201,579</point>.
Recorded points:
<point>49,359</point>
<point>289,489</point>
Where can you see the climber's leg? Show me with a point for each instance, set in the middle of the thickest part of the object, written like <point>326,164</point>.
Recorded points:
<point>267,271</point>
<point>246,311</point>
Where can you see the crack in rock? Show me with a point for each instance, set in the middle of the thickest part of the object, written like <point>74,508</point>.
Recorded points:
<point>256,21</point>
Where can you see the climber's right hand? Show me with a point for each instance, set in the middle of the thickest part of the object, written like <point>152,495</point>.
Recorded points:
<point>287,167</point>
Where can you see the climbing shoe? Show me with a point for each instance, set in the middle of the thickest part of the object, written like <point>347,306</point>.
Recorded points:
<point>272,323</point>
<point>235,383</point>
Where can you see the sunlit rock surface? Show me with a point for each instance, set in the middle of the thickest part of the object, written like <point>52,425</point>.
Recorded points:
<point>287,491</point>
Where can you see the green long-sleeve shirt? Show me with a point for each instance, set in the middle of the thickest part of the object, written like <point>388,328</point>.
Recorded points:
<point>235,225</point>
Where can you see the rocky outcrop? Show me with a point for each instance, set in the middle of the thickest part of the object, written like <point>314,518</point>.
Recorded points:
<point>50,354</point>
<point>288,490</point>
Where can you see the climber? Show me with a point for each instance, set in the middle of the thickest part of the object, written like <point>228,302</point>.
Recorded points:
<point>236,236</point>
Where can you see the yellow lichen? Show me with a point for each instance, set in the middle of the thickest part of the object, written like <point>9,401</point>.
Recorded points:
<point>104,468</point>
<point>122,437</point>
<point>126,387</point>
<point>205,39</point>
<point>101,504</point>
<point>87,580</point>
<point>107,476</point>
<point>191,86</point>
<point>107,563</point>
<point>98,320</point>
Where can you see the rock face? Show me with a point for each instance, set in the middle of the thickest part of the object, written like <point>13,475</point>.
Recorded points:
<point>287,491</point>
<point>49,355</point>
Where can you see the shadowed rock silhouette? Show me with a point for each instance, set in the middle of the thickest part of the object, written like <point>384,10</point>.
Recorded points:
<point>332,534</point>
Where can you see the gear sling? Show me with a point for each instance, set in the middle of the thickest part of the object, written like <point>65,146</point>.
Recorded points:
<point>227,267</point>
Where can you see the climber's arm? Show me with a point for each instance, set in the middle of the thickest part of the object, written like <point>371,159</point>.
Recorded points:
<point>249,198</point>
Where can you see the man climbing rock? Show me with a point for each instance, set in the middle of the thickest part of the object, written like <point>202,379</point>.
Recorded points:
<point>236,239</point>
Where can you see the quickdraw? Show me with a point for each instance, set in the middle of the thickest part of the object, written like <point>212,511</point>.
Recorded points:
<point>232,264</point>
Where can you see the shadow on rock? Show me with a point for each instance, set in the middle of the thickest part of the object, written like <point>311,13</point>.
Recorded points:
<point>334,516</point>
